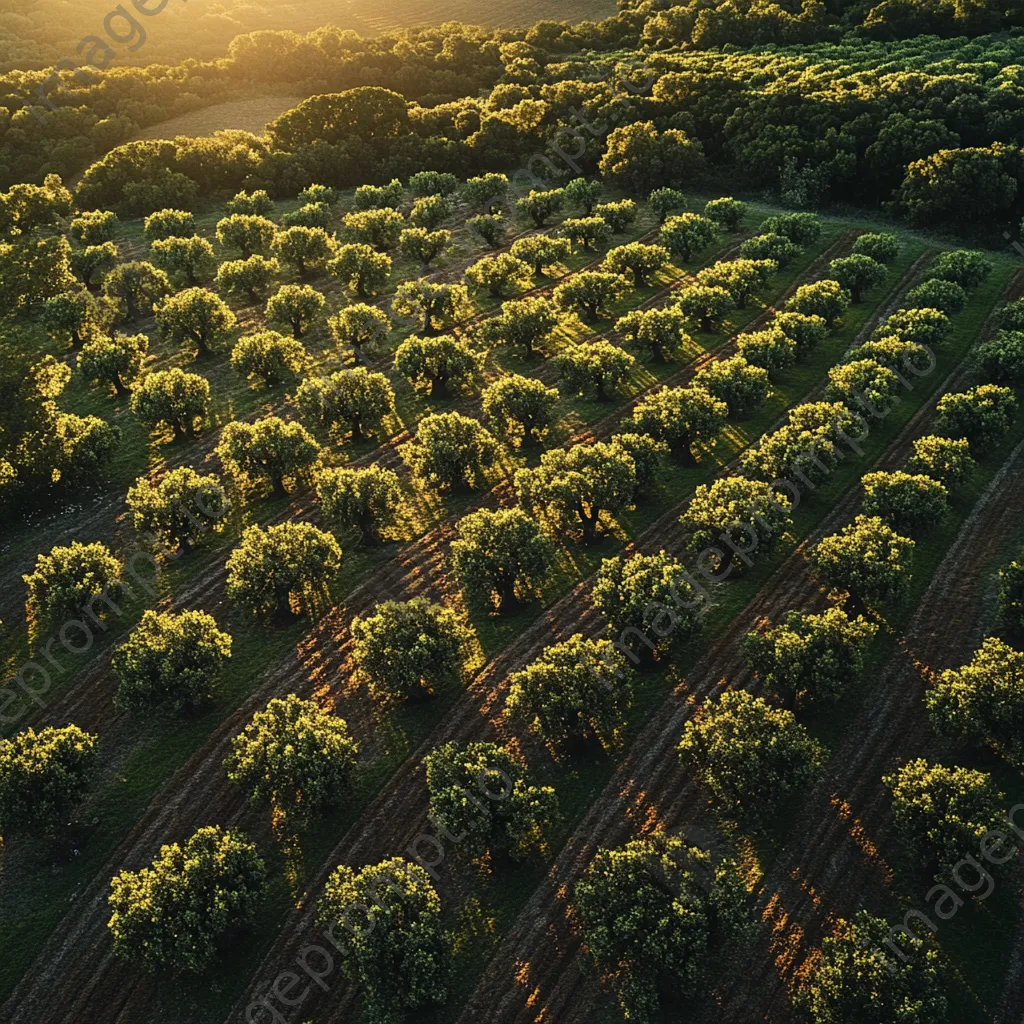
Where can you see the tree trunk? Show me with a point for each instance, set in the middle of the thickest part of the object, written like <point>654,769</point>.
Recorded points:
<point>279,491</point>
<point>296,329</point>
<point>179,431</point>
<point>439,387</point>
<point>357,431</point>
<point>119,387</point>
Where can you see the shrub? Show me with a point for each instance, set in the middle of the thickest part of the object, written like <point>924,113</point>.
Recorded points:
<point>827,299</point>
<point>965,267</point>
<point>736,382</point>
<point>659,332</point>
<point>727,212</point>
<point>857,274</point>
<point>770,349</point>
<point>770,247</point>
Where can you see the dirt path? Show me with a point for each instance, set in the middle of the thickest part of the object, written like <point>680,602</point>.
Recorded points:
<point>94,983</point>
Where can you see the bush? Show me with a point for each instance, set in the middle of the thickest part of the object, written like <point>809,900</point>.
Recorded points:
<point>685,235</point>
<point>924,326</point>
<point>410,649</point>
<point>736,382</point>
<point>618,215</point>
<point>659,332</point>
<point>43,776</point>
<point>175,913</point>
<point>726,212</point>
<point>1001,360</point>
<point>72,579</point>
<point>770,349</point>
<point>827,299</point>
<point>575,691</point>
<point>272,569</point>
<point>808,332</point>
<point>94,227</point>
<point>862,381</point>
<point>770,247</point>
<point>663,201</point>
<point>375,197</point>
<point>256,204</point>
<point>857,274</point>
<point>170,663</point>
<point>294,755</point>
<point>802,228</point>
<point>167,224</point>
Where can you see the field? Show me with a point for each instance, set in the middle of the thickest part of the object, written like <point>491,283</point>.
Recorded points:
<point>517,953</point>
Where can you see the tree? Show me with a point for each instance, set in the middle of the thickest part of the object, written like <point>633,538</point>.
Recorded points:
<point>1010,317</point>
<point>484,192</point>
<point>597,366</point>
<point>490,228</point>
<point>194,257</point>
<point>399,955</point>
<point>656,910</point>
<point>883,248</point>
<point>983,415</point>
<point>94,227</point>
<point>195,316</point>
<point>982,702</point>
<point>269,448</point>
<point>541,251</point>
<point>268,356</point>
<point>827,299</point>
<point>87,263</point>
<point>663,201</point>
<point>380,228</point>
<point>175,913</point>
<point>742,386</point>
<point>523,323</point>
<point>280,567</point>
<point>650,598</point>
<point>429,183</point>
<point>294,755</point>
<point>359,400</point>
<point>648,457</point>
<point>252,277</point>
<point>868,558</point>
<point>749,755</point>
<point>941,812</point>
<point>378,197</point>
<point>450,450</point>
<point>575,692</point>
<point>590,292</point>
<point>306,249</point>
<point>256,203</point>
<point>857,274</point>
<point>541,206</point>
<point>75,314</point>
<point>743,516</point>
<point>923,326</point>
<point>637,261</point>
<point>298,306</point>
<point>770,247</point>
<point>726,212</point>
<point>312,215</point>
<point>501,558</point>
<point>946,296</point>
<point>660,332</point>
<point>437,305</point>
<point>43,777</point>
<point>136,288</point>
<point>965,267</point>
<point>860,381</point>
<point>704,305</point>
<point>367,499</point>
<point>809,659</point>
<point>740,278</point>
<point>499,274</point>
<point>410,649</point>
<point>802,228</point>
<point>249,234</point>
<point>892,353</point>
<point>322,194</point>
<point>423,245</point>
<point>618,215</point>
<point>443,362</point>
<point>430,212</point>
<point>571,488</point>
<point>1001,360</point>
<point>361,268</point>
<point>71,579</point>
<point>905,501</point>
<point>359,326</point>
<point>520,407</point>
<point>770,349</point>
<point>180,508</point>
<point>583,194</point>
<point>942,458</point>
<point>587,232</point>
<point>1011,595</point>
<point>173,398</point>
<point>170,663</point>
<point>117,360</point>
<point>639,158</point>
<point>856,980</point>
<point>681,417</point>
<point>685,235</point>
<point>166,224</point>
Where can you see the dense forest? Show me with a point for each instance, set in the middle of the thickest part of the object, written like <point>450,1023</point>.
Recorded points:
<point>531,534</point>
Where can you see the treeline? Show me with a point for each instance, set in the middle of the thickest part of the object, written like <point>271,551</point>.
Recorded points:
<point>925,128</point>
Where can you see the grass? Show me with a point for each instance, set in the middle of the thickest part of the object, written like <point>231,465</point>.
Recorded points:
<point>152,752</point>
<point>248,115</point>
